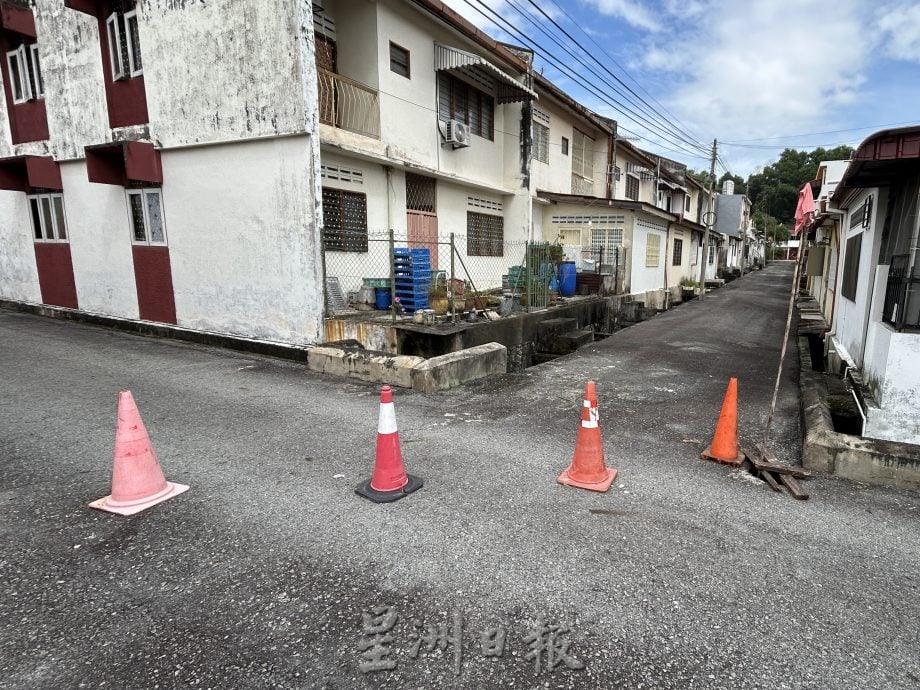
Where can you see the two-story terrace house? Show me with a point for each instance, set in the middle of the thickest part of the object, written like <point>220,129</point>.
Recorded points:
<point>425,132</point>
<point>157,163</point>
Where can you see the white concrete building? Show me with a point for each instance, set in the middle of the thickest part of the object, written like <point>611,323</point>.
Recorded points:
<point>876,327</point>
<point>161,165</point>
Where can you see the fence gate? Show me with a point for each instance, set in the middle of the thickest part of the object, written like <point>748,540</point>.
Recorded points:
<point>421,214</point>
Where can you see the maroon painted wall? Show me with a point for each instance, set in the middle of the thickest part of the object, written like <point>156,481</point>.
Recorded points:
<point>153,277</point>
<point>55,274</point>
<point>126,100</point>
<point>29,120</point>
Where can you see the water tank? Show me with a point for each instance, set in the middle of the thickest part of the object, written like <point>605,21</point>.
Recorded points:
<point>728,187</point>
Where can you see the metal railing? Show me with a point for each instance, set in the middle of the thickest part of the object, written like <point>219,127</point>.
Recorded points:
<point>348,104</point>
<point>902,295</point>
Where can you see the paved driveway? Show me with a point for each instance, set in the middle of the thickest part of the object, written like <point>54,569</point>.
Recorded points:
<point>684,575</point>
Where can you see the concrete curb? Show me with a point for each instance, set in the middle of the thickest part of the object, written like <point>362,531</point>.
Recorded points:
<point>456,368</point>
<point>868,460</point>
<point>162,330</point>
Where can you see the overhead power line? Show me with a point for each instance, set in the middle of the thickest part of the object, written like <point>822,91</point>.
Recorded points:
<point>816,134</point>
<point>492,16</point>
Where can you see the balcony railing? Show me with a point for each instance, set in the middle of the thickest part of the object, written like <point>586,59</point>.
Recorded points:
<point>348,104</point>
<point>902,295</point>
<point>582,185</point>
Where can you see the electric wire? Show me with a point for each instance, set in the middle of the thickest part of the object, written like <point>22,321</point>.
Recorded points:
<point>552,59</point>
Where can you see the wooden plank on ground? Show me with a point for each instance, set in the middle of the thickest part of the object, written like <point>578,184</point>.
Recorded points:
<point>794,487</point>
<point>770,480</point>
<point>778,467</point>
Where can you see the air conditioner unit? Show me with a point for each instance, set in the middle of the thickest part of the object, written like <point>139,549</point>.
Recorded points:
<point>457,134</point>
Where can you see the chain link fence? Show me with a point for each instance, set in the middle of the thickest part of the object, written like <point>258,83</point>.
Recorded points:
<point>386,271</point>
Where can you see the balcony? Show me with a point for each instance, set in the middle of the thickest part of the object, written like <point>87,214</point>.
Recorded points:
<point>582,185</point>
<point>348,104</point>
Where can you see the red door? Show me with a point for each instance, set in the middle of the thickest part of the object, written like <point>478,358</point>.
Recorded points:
<point>423,232</point>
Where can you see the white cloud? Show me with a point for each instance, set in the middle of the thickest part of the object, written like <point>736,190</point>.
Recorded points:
<point>760,69</point>
<point>632,12</point>
<point>901,37</point>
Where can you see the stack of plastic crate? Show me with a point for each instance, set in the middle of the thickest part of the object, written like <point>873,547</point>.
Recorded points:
<point>412,277</point>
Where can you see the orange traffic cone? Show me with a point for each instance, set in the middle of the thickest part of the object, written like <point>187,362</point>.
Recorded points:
<point>587,470</point>
<point>724,446</point>
<point>137,480</point>
<point>390,481</point>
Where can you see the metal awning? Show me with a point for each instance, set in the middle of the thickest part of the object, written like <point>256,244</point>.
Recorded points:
<point>505,87</point>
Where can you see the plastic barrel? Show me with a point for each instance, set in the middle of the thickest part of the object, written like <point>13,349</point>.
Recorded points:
<point>567,278</point>
<point>382,297</point>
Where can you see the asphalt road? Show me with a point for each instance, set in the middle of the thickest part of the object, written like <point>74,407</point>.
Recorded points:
<point>685,575</point>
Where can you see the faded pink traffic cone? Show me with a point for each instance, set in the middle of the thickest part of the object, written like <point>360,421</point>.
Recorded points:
<point>137,480</point>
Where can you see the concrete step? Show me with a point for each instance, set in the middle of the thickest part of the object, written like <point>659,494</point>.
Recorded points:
<point>569,342</point>
<point>552,327</point>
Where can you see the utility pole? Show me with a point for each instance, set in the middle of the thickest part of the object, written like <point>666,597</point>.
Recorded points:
<point>744,232</point>
<point>708,220</point>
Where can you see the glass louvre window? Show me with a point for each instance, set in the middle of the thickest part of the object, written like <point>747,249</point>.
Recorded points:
<point>652,251</point>
<point>146,209</point>
<point>399,60</point>
<point>47,214</point>
<point>25,72</point>
<point>133,43</point>
<point>565,146</point>
<point>540,142</point>
<point>457,100</point>
<point>632,187</point>
<point>485,234</point>
<point>582,154</point>
<point>851,267</point>
<point>344,221</point>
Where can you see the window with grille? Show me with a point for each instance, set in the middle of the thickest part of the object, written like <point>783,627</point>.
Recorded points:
<point>605,245</point>
<point>344,221</point>
<point>687,203</point>
<point>582,154</point>
<point>124,45</point>
<point>632,187</point>
<point>485,234</point>
<point>25,74</point>
<point>565,146</point>
<point>420,193</point>
<point>851,267</point>
<point>540,142</point>
<point>145,207</point>
<point>712,253</point>
<point>47,213</point>
<point>457,100</point>
<point>399,60</point>
<point>678,253</point>
<point>652,251</point>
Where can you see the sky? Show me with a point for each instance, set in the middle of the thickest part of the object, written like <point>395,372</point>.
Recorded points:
<point>758,75</point>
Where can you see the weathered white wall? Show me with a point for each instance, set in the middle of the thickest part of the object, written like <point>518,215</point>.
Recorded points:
<point>223,70</point>
<point>100,244</point>
<point>71,61</point>
<point>642,277</point>
<point>897,418</point>
<point>18,272</point>
<point>242,240</point>
<point>852,315</point>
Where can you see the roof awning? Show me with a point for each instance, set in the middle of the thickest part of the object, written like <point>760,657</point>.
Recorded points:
<point>505,87</point>
<point>27,173</point>
<point>17,18</point>
<point>123,162</point>
<point>881,158</point>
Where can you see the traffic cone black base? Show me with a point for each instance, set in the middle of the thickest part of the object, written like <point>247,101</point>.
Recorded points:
<point>364,489</point>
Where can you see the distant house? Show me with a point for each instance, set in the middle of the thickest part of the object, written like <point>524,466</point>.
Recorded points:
<point>734,222</point>
<point>876,279</point>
